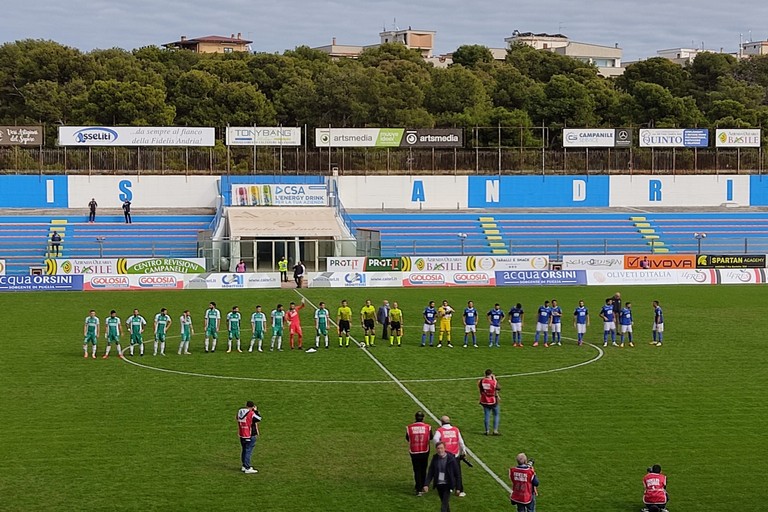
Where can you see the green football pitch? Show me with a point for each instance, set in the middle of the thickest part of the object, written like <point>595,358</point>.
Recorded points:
<point>100,434</point>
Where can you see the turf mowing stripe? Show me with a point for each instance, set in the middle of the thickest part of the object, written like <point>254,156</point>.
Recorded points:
<point>418,402</point>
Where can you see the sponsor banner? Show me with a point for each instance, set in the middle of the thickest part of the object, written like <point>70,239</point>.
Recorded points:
<point>732,138</point>
<point>346,264</point>
<point>488,263</point>
<point>728,261</point>
<point>675,191</point>
<point>741,276</point>
<point>279,195</point>
<point>593,262</point>
<point>540,277</point>
<point>448,278</point>
<point>629,277</point>
<point>589,138</point>
<point>232,281</point>
<point>113,282</point>
<point>674,137</point>
<point>263,136</point>
<point>659,261</point>
<point>537,191</point>
<point>623,137</point>
<point>136,136</point>
<point>40,283</point>
<point>354,279</point>
<point>694,276</point>
<point>21,135</point>
<point>104,266</point>
<point>436,138</point>
<point>2,267</point>
<point>383,264</point>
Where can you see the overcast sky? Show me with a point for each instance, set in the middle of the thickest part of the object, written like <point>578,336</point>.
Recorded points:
<point>640,27</point>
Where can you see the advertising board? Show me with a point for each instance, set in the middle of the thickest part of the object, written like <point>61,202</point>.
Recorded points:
<point>731,261</point>
<point>540,277</point>
<point>472,263</point>
<point>448,278</point>
<point>659,261</point>
<point>232,281</point>
<point>21,135</point>
<point>733,138</point>
<point>136,136</point>
<point>354,279</point>
<point>106,266</point>
<point>589,137</point>
<point>2,267</point>
<point>346,264</point>
<point>279,195</point>
<point>113,282</point>
<point>388,137</point>
<point>674,137</point>
<point>263,136</point>
<point>40,283</point>
<point>593,262</point>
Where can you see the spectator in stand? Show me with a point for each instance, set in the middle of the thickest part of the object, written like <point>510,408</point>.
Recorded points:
<point>240,267</point>
<point>92,210</point>
<point>127,211</point>
<point>56,244</point>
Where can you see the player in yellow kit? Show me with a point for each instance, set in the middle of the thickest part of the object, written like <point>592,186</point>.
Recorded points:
<point>368,319</point>
<point>444,312</point>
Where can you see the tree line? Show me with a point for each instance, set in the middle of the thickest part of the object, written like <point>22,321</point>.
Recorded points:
<point>387,86</point>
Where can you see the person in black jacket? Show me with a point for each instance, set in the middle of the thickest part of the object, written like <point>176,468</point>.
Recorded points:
<point>127,211</point>
<point>444,474</point>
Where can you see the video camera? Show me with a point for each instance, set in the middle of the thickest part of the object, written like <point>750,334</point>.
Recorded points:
<point>464,459</point>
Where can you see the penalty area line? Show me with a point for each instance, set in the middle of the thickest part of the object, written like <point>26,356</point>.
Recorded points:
<point>416,400</point>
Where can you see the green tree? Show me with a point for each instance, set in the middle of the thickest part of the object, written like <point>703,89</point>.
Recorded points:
<point>471,55</point>
<point>566,102</point>
<point>542,65</point>
<point>125,103</point>
<point>372,57</point>
<point>659,71</point>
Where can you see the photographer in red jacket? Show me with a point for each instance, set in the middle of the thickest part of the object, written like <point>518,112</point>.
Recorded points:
<point>524,484</point>
<point>655,495</point>
<point>248,419</point>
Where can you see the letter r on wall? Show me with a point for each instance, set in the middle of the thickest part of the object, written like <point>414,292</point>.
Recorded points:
<point>654,190</point>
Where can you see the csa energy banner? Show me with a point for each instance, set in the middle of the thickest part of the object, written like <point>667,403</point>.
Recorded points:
<point>136,136</point>
<point>110,266</point>
<point>263,136</point>
<point>387,137</point>
<point>279,195</point>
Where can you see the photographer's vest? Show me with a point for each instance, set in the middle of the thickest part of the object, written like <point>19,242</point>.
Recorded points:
<point>487,391</point>
<point>522,484</point>
<point>282,266</point>
<point>419,436</point>
<point>654,484</point>
<point>245,423</point>
<point>450,437</point>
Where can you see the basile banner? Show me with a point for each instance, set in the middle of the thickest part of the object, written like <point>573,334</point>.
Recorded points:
<point>659,261</point>
<point>263,136</point>
<point>136,136</point>
<point>279,195</point>
<point>732,138</point>
<point>388,137</point>
<point>731,261</point>
<point>108,266</point>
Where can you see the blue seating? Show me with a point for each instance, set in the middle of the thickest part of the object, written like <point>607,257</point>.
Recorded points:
<point>727,232</point>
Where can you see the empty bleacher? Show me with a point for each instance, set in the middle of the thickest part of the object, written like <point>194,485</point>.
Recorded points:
<point>727,232</point>
<point>24,239</point>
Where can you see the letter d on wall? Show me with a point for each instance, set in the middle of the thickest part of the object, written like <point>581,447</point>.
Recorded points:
<point>579,191</point>
<point>125,187</point>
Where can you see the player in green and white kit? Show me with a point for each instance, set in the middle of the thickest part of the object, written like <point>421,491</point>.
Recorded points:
<point>136,325</point>
<point>162,323</point>
<point>212,319</point>
<point>321,324</point>
<point>259,325</point>
<point>233,326</point>
<point>90,333</point>
<point>278,315</point>
<point>186,332</point>
<point>112,333</point>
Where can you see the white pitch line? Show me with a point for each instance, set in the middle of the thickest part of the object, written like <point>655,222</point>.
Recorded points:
<point>421,405</point>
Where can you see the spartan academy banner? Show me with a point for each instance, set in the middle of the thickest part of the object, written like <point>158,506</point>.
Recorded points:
<point>731,261</point>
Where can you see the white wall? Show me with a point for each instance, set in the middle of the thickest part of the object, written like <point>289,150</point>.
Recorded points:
<point>404,192</point>
<point>144,191</point>
<point>655,191</point>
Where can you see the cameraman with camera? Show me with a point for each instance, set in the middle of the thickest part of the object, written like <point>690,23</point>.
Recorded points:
<point>525,484</point>
<point>655,495</point>
<point>489,399</point>
<point>454,444</point>
<point>248,419</point>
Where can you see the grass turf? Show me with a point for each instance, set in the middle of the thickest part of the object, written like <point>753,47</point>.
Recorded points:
<point>106,435</point>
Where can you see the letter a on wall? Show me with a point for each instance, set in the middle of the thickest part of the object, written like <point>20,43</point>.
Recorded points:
<point>417,192</point>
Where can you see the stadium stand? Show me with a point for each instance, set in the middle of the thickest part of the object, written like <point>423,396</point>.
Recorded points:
<point>727,233</point>
<point>24,239</point>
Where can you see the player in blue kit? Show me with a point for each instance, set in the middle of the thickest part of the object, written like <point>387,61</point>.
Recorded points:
<point>542,323</point>
<point>430,317</point>
<point>581,321</point>
<point>658,324</point>
<point>609,323</point>
<point>556,323</point>
<point>516,315</point>
<point>494,317</point>
<point>625,323</point>
<point>470,323</point>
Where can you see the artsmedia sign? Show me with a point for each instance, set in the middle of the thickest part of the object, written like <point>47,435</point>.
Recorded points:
<point>136,136</point>
<point>387,137</point>
<point>263,136</point>
<point>674,137</point>
<point>730,138</point>
<point>21,135</point>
